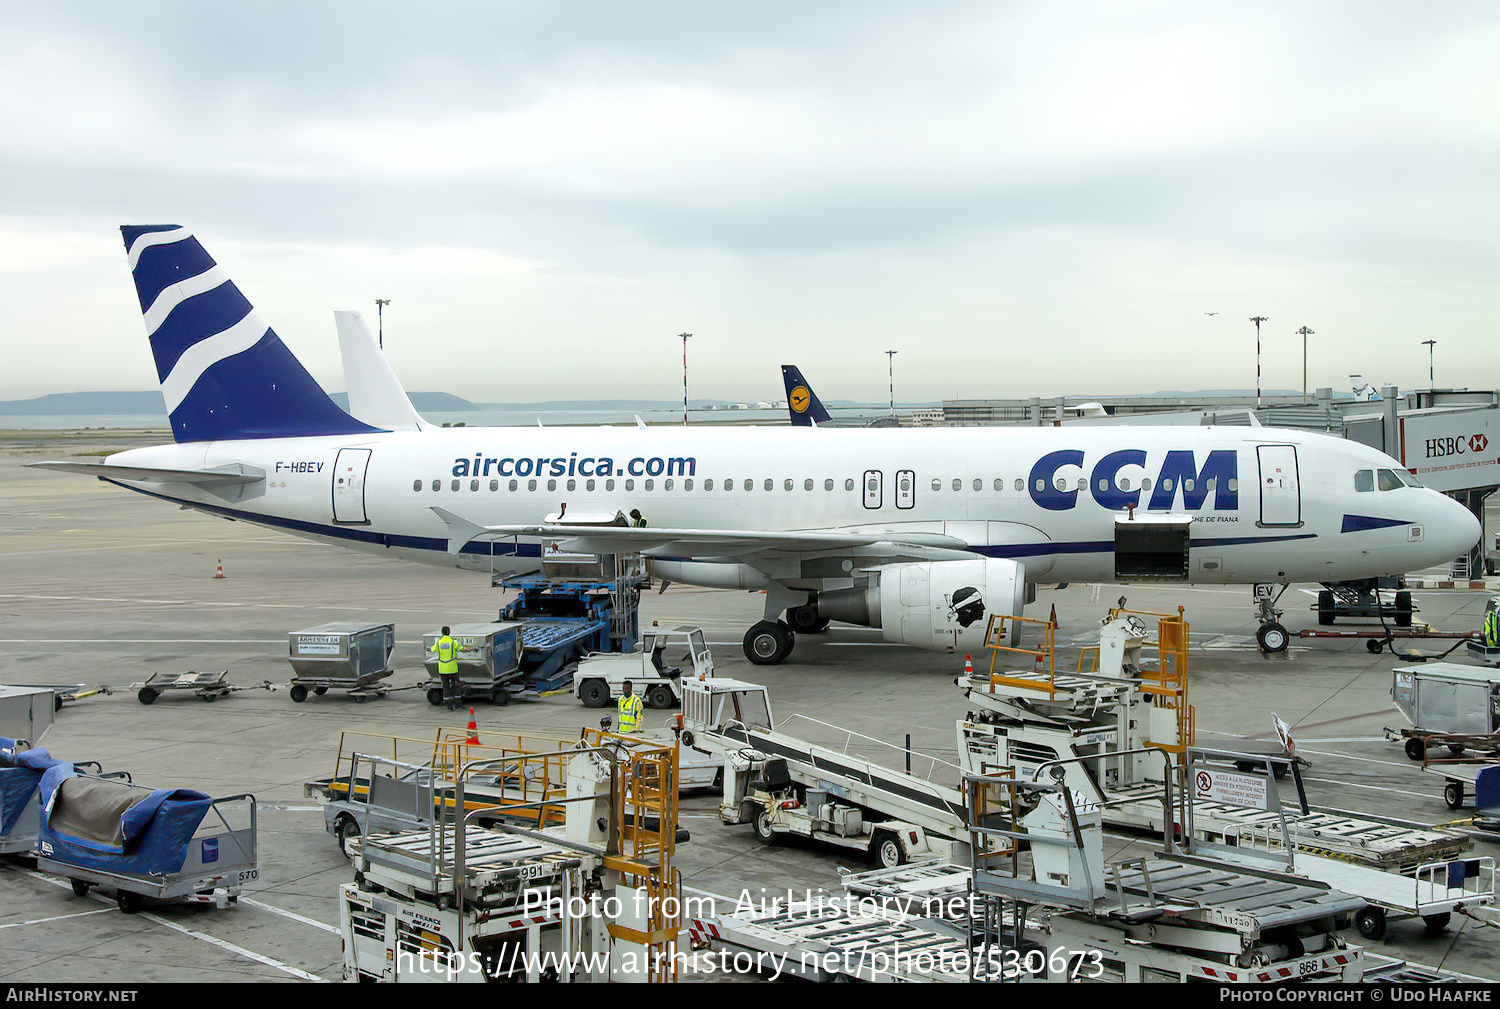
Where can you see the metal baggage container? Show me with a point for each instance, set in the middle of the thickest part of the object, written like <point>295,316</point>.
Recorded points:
<point>1445,697</point>
<point>341,656</point>
<point>490,658</point>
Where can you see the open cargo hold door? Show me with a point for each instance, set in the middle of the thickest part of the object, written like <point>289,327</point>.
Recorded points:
<point>1280,492</point>
<point>349,485</point>
<point>1152,548</point>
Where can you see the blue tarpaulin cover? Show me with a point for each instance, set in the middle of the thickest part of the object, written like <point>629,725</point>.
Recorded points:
<point>1487,789</point>
<point>106,824</point>
<point>20,772</point>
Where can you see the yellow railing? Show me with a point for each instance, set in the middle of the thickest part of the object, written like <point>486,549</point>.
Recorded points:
<point>1044,655</point>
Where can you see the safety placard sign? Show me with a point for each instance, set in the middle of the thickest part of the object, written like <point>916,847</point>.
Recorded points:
<point>1232,789</point>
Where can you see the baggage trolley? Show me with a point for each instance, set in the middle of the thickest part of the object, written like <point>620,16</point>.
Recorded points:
<point>348,656</point>
<point>216,861</point>
<point>207,687</point>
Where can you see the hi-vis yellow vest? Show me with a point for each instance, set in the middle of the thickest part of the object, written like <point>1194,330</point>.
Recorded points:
<point>630,712</point>
<point>447,653</point>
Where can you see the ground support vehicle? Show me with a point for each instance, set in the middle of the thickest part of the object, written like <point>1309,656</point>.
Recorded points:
<point>208,687</point>
<point>600,678</point>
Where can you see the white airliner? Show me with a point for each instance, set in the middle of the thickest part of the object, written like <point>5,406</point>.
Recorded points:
<point>919,532</point>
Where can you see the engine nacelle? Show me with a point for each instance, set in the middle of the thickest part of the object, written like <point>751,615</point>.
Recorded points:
<point>945,605</point>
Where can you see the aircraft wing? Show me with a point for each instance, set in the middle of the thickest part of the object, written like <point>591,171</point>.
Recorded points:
<point>232,475</point>
<point>657,541</point>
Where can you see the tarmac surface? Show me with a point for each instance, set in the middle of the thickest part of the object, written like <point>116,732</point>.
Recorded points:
<point>101,586</point>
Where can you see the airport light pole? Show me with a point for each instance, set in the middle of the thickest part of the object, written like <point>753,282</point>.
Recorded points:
<point>1258,319</point>
<point>1429,345</point>
<point>685,338</point>
<point>380,304</point>
<point>890,357</point>
<point>1304,332</point>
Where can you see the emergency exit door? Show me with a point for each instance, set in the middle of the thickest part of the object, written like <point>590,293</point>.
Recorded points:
<point>349,485</point>
<point>874,493</point>
<point>1280,492</point>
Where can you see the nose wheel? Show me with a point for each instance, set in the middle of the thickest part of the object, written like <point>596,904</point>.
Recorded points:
<point>1270,635</point>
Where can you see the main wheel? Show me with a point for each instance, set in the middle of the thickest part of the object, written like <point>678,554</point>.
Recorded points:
<point>146,695</point>
<point>298,693</point>
<point>888,850</point>
<point>593,693</point>
<point>1403,609</point>
<point>1415,748</point>
<point>1272,638</point>
<point>660,696</point>
<point>345,831</point>
<point>767,643</point>
<point>1453,794</point>
<point>1437,924</point>
<point>1371,923</point>
<point>1325,608</point>
<point>764,832</point>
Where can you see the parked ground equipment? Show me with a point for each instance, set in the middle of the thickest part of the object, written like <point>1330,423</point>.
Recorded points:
<point>596,898</point>
<point>207,687</point>
<point>142,842</point>
<point>348,656</point>
<point>565,619</point>
<point>1449,705</point>
<point>600,678</point>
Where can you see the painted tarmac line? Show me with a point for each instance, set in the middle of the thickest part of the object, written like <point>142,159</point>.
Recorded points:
<point>294,916</point>
<point>56,917</point>
<point>223,944</point>
<point>1363,760</point>
<point>1373,788</point>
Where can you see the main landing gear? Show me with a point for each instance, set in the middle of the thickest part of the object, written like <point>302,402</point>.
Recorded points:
<point>769,642</point>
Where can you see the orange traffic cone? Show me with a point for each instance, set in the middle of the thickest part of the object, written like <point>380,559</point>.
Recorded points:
<point>473,739</point>
<point>219,571</point>
<point>968,666</point>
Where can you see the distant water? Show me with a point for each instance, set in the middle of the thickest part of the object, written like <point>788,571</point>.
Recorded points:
<point>471,418</point>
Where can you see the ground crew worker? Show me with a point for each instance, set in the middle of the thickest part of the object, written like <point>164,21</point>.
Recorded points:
<point>447,649</point>
<point>1492,625</point>
<point>636,519</point>
<point>629,709</point>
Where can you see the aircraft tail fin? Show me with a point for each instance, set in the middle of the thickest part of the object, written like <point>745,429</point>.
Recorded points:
<point>801,402</point>
<point>375,393</point>
<point>224,373</point>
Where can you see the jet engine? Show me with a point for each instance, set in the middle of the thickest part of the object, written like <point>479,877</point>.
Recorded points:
<point>939,605</point>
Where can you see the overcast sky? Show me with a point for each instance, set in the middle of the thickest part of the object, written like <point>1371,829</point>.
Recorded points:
<point>1035,198</point>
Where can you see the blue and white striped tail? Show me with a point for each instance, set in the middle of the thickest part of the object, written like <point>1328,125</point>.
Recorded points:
<point>224,373</point>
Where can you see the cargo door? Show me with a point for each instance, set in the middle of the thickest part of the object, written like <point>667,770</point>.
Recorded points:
<point>349,485</point>
<point>874,492</point>
<point>1280,494</point>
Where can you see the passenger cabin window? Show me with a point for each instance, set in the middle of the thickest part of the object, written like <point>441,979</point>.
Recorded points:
<point>958,484</point>
<point>708,484</point>
<point>786,485</point>
<point>849,483</point>
<point>807,485</point>
<point>828,484</point>
<point>514,484</point>
<point>494,485</point>
<point>416,485</point>
<point>937,484</point>
<point>667,484</point>
<point>1364,481</point>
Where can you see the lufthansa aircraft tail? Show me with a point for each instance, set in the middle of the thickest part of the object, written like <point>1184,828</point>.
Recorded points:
<point>801,402</point>
<point>224,373</point>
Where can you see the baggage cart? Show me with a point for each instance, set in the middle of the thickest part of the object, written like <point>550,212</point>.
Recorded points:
<point>164,844</point>
<point>1445,702</point>
<point>347,655</point>
<point>207,687</point>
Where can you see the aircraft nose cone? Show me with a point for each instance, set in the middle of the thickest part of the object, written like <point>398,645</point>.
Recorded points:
<point>1457,529</point>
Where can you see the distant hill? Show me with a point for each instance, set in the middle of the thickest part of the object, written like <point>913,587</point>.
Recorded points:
<point>424,402</point>
<point>86,403</point>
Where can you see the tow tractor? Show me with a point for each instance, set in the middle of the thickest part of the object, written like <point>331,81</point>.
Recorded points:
<point>784,785</point>
<point>600,677</point>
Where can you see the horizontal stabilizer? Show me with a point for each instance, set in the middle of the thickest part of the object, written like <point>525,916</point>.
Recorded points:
<point>219,476</point>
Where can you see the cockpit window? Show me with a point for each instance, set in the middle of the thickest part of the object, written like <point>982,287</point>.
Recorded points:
<point>1391,479</point>
<point>1364,481</point>
<point>1408,479</point>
